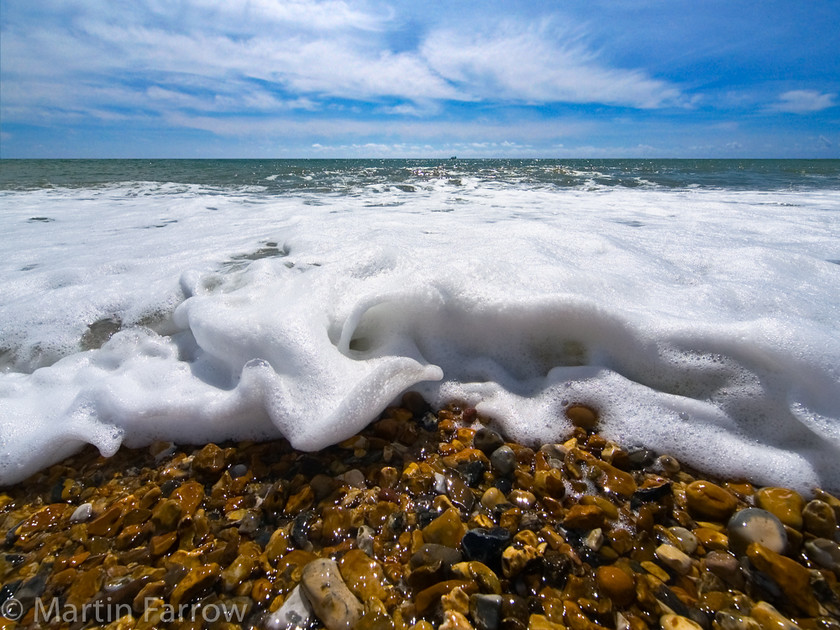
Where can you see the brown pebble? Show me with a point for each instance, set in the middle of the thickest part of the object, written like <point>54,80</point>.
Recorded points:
<point>332,601</point>
<point>237,571</point>
<point>210,459</point>
<point>617,584</point>
<point>784,503</point>
<point>363,575</point>
<point>300,501</point>
<point>107,523</point>
<point>549,483</point>
<point>428,597</point>
<point>833,501</point>
<point>711,539</point>
<point>447,529</point>
<point>195,584</point>
<point>454,620</point>
<point>189,495</point>
<point>166,514</point>
<point>707,500</point>
<point>515,559</point>
<point>818,518</point>
<point>159,545</point>
<point>769,618</point>
<point>615,480</point>
<point>582,416</point>
<point>584,517</point>
<point>792,577</point>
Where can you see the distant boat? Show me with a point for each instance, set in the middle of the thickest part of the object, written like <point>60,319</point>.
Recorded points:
<point>453,157</point>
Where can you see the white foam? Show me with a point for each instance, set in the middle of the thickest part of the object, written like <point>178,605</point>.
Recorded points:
<point>701,323</point>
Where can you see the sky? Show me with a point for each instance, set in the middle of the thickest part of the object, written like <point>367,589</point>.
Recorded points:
<point>472,78</point>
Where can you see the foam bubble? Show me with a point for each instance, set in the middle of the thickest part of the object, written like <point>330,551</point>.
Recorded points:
<point>692,326</point>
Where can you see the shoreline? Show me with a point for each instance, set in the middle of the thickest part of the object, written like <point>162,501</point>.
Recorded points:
<point>422,520</point>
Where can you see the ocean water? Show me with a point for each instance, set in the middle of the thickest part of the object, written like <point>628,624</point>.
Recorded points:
<point>695,304</point>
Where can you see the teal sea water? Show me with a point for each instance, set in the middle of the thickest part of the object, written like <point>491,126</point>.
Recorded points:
<point>694,303</point>
<point>279,176</point>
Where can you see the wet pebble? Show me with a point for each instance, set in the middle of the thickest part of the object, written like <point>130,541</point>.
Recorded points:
<point>487,440</point>
<point>296,613</point>
<point>617,584</point>
<point>449,528</point>
<point>792,577</point>
<point>486,611</point>
<point>582,416</point>
<point>825,553</point>
<point>503,460</point>
<point>686,541</point>
<point>725,566</point>
<point>754,525</point>
<point>674,559</point>
<point>82,513</point>
<point>331,600</point>
<point>709,501</point>
<point>677,622</point>
<point>485,545</point>
<point>209,460</point>
<point>818,518</point>
<point>784,503</point>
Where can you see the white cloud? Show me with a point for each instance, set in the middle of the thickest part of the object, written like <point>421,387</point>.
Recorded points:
<point>803,102</point>
<point>538,64</point>
<point>266,57</point>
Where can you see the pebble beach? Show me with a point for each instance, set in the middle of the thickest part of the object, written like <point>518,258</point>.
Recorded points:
<point>426,519</point>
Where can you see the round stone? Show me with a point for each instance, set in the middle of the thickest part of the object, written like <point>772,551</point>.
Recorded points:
<point>818,518</point>
<point>582,416</point>
<point>503,460</point>
<point>687,540</point>
<point>82,513</point>
<point>617,584</point>
<point>756,525</point>
<point>487,440</point>
<point>710,501</point>
<point>784,503</point>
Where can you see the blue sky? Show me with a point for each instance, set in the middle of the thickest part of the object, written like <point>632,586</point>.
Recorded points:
<point>309,78</point>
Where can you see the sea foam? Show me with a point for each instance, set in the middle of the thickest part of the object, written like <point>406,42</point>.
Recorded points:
<point>702,323</point>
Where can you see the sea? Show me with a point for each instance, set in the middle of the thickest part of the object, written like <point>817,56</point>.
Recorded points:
<point>695,304</point>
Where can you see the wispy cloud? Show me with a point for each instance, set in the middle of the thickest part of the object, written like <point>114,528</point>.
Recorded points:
<point>539,63</point>
<point>803,102</point>
<point>266,57</point>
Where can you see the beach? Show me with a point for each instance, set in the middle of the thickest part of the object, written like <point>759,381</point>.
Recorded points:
<point>423,520</point>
